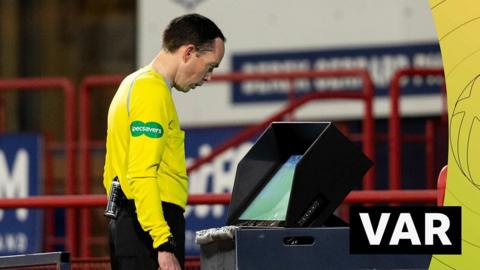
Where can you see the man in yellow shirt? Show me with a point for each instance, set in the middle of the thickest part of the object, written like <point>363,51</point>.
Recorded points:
<point>145,147</point>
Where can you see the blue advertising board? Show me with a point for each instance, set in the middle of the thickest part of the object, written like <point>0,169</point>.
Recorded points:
<point>381,62</point>
<point>215,177</point>
<point>21,230</point>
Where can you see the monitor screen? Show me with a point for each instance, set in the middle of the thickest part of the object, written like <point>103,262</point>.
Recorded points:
<point>271,202</point>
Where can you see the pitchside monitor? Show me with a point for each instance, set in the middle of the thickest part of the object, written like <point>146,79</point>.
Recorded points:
<point>271,202</point>
<point>295,175</point>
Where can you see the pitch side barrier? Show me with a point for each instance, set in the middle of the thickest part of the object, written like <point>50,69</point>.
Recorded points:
<point>87,85</point>
<point>66,86</point>
<point>394,129</point>
<point>59,260</point>
<point>62,261</point>
<point>91,201</point>
<point>95,201</point>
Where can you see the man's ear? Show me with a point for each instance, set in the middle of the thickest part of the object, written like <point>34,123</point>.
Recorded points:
<point>188,52</point>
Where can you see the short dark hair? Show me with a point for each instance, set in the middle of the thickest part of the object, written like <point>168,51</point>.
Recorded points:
<point>191,29</point>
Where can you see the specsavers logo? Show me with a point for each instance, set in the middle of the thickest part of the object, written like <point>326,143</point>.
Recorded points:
<point>150,129</point>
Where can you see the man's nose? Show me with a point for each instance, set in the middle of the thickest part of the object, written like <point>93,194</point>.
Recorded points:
<point>208,77</point>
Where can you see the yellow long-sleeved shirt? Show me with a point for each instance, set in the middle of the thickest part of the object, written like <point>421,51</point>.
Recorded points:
<point>145,149</point>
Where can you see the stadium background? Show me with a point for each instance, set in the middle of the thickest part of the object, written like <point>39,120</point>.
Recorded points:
<point>76,39</point>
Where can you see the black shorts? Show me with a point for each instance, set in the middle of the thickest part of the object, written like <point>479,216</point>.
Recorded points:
<point>131,247</point>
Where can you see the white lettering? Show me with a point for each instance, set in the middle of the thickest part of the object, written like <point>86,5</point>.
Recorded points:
<point>13,242</point>
<point>215,177</point>
<point>405,219</point>
<point>277,66</point>
<point>275,86</point>
<point>430,230</point>
<point>14,184</point>
<point>381,68</point>
<point>374,238</point>
<point>147,129</point>
<point>427,60</point>
<point>199,181</point>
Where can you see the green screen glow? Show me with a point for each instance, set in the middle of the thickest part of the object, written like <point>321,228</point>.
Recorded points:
<point>272,201</point>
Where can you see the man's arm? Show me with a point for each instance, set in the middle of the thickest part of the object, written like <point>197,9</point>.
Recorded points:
<point>147,122</point>
<point>167,261</point>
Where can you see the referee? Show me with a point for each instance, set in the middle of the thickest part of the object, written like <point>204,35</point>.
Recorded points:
<point>145,147</point>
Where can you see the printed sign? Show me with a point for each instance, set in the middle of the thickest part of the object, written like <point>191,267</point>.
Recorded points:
<point>381,62</point>
<point>405,230</point>
<point>21,230</point>
<point>215,177</point>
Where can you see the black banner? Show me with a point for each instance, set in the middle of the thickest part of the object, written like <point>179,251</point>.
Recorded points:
<point>405,230</point>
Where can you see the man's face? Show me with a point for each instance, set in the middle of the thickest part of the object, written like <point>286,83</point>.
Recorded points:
<point>198,66</point>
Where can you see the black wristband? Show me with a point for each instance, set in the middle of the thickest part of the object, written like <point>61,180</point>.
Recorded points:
<point>168,246</point>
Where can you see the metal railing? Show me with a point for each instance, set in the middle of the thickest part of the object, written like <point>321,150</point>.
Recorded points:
<point>88,201</point>
<point>65,85</point>
<point>193,263</point>
<point>394,130</point>
<point>60,260</point>
<point>87,85</point>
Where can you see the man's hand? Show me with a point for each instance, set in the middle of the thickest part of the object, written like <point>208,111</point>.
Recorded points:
<point>167,261</point>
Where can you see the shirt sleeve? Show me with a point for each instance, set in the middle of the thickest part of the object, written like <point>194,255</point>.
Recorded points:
<point>147,119</point>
